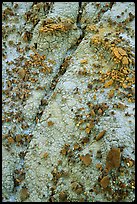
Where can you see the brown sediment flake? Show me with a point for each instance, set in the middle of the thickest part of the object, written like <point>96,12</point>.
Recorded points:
<point>22,73</point>
<point>105,181</point>
<point>62,196</point>
<point>113,159</point>
<point>24,194</point>
<point>86,159</point>
<point>100,135</point>
<point>50,123</point>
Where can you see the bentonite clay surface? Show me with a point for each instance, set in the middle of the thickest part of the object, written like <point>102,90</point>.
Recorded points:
<point>68,102</point>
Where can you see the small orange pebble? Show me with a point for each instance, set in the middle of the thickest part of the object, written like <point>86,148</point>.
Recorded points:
<point>10,140</point>
<point>86,159</point>
<point>99,166</point>
<point>105,181</point>
<point>18,138</point>
<point>94,97</point>
<point>50,123</point>
<point>100,111</point>
<point>92,113</point>
<point>125,60</point>
<point>87,130</point>
<point>100,135</point>
<point>108,83</point>
<point>76,146</point>
<point>83,61</point>
<point>45,155</point>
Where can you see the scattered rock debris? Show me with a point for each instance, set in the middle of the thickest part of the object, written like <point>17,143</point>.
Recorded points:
<point>68,95</point>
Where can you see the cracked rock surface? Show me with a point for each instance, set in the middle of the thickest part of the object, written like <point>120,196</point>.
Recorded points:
<point>68,102</point>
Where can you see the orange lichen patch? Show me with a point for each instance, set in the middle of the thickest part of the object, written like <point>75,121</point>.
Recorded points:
<point>105,181</point>
<point>22,73</point>
<point>125,60</point>
<point>96,39</point>
<point>83,61</point>
<point>108,83</point>
<point>113,159</point>
<point>86,159</point>
<point>50,123</point>
<point>10,140</point>
<point>24,194</point>
<point>100,135</point>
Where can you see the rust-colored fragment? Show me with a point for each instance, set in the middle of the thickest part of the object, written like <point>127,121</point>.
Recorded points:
<point>100,135</point>
<point>86,159</point>
<point>105,181</point>
<point>113,159</point>
<point>50,123</point>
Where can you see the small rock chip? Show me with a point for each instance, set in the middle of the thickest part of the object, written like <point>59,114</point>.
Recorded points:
<point>18,138</point>
<point>105,181</point>
<point>86,159</point>
<point>62,196</point>
<point>50,123</point>
<point>22,73</point>
<point>10,140</point>
<point>100,135</point>
<point>24,194</point>
<point>113,159</point>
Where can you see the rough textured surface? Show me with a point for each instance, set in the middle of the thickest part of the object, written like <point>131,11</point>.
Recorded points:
<point>68,102</point>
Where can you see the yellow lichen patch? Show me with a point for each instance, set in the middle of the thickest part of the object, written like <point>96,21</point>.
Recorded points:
<point>86,159</point>
<point>105,181</point>
<point>125,60</point>
<point>100,135</point>
<point>113,159</point>
<point>50,123</point>
<point>108,83</point>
